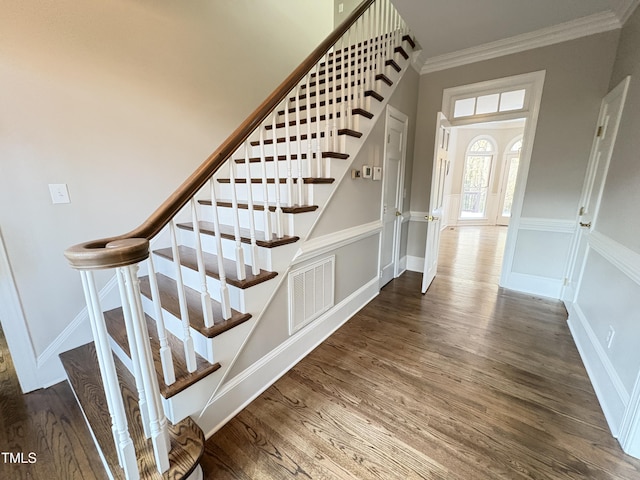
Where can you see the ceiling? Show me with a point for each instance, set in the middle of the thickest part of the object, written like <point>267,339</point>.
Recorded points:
<point>457,29</point>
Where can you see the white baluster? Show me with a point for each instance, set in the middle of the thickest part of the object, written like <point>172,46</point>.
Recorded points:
<point>347,79</point>
<point>327,102</point>
<point>287,133</point>
<point>187,340</point>
<point>166,357</point>
<point>268,231</point>
<point>135,358</point>
<point>120,428</point>
<point>318,110</point>
<point>309,140</point>
<point>255,268</point>
<point>299,142</point>
<point>240,264</point>
<point>276,179</point>
<point>224,290</point>
<point>334,129</point>
<point>157,420</point>
<point>205,298</point>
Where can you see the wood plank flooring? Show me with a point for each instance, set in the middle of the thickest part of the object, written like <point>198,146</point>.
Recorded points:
<point>48,423</point>
<point>469,381</point>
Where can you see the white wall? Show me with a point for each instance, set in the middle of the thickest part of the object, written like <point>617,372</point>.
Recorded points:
<point>121,100</point>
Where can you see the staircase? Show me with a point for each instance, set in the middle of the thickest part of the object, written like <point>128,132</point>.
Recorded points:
<point>197,276</point>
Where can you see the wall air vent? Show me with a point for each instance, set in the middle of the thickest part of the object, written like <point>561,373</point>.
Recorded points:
<point>311,291</point>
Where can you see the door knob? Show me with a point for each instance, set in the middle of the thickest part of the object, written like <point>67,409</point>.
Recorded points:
<point>586,225</point>
<point>398,214</point>
<point>431,218</point>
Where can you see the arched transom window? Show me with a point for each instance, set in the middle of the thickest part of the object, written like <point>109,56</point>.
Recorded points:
<point>476,177</point>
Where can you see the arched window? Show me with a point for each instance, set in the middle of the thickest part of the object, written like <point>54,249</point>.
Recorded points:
<point>476,177</point>
<point>512,162</point>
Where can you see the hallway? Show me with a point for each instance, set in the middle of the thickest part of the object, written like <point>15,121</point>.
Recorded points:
<point>469,381</point>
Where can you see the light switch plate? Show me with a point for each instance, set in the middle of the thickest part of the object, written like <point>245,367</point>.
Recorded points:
<point>377,173</point>
<point>366,171</point>
<point>59,193</point>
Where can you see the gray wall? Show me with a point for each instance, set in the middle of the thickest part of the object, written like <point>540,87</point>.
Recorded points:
<point>577,78</point>
<point>122,100</point>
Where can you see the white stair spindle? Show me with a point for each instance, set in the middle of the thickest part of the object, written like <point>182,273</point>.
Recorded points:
<point>166,357</point>
<point>337,53</point>
<point>240,264</point>
<point>276,179</point>
<point>135,357</point>
<point>299,142</point>
<point>224,289</point>
<point>268,231</point>
<point>348,78</point>
<point>318,126</point>
<point>255,268</point>
<point>287,133</point>
<point>309,134</point>
<point>205,298</point>
<point>327,101</point>
<point>187,339</point>
<point>124,444</point>
<point>157,419</point>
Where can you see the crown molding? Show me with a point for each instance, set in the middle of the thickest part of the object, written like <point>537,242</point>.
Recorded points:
<point>625,9</point>
<point>582,27</point>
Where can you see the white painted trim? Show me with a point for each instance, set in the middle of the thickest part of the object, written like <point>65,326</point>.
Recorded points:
<point>403,265</point>
<point>534,285</point>
<point>625,10</point>
<point>241,390</point>
<point>415,264</point>
<point>548,225</point>
<point>581,27</point>
<point>576,315</point>
<point>327,243</point>
<point>15,327</point>
<point>629,435</point>
<point>621,257</point>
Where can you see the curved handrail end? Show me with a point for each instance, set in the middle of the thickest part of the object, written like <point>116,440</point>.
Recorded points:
<point>107,253</point>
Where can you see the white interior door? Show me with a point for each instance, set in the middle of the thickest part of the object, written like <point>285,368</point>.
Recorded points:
<point>392,194</point>
<point>434,218</point>
<point>603,143</point>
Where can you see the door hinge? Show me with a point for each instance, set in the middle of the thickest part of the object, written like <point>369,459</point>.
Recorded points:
<point>581,212</point>
<point>600,130</point>
<point>388,138</point>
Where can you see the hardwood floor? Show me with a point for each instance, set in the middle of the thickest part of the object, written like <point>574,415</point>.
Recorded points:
<point>469,381</point>
<point>47,423</point>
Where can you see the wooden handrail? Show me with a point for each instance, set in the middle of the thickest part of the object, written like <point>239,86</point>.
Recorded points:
<point>114,252</point>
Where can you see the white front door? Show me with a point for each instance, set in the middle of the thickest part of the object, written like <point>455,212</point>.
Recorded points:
<point>603,143</point>
<point>434,218</point>
<point>392,194</point>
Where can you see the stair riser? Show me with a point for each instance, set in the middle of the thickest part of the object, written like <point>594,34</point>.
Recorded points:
<point>224,190</point>
<point>342,121</point>
<point>244,300</point>
<point>189,402</point>
<point>291,223</point>
<point>271,259</point>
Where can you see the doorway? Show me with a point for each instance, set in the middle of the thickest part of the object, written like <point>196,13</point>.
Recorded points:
<point>490,189</point>
<point>397,124</point>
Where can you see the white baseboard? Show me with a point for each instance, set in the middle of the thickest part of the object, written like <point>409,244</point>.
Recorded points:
<point>608,386</point>
<point>415,264</point>
<point>534,285</point>
<point>245,387</point>
<point>402,265</point>
<point>78,332</point>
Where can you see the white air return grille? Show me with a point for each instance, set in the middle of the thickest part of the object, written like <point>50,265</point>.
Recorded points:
<point>310,292</point>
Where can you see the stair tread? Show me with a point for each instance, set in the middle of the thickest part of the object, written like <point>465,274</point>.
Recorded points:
<point>188,259</point>
<point>260,206</point>
<point>169,298</point>
<point>117,330</point>
<point>409,40</point>
<point>187,439</point>
<point>292,138</point>
<point>402,52</point>
<point>228,232</point>
<point>393,64</point>
<point>294,156</point>
<point>307,180</point>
